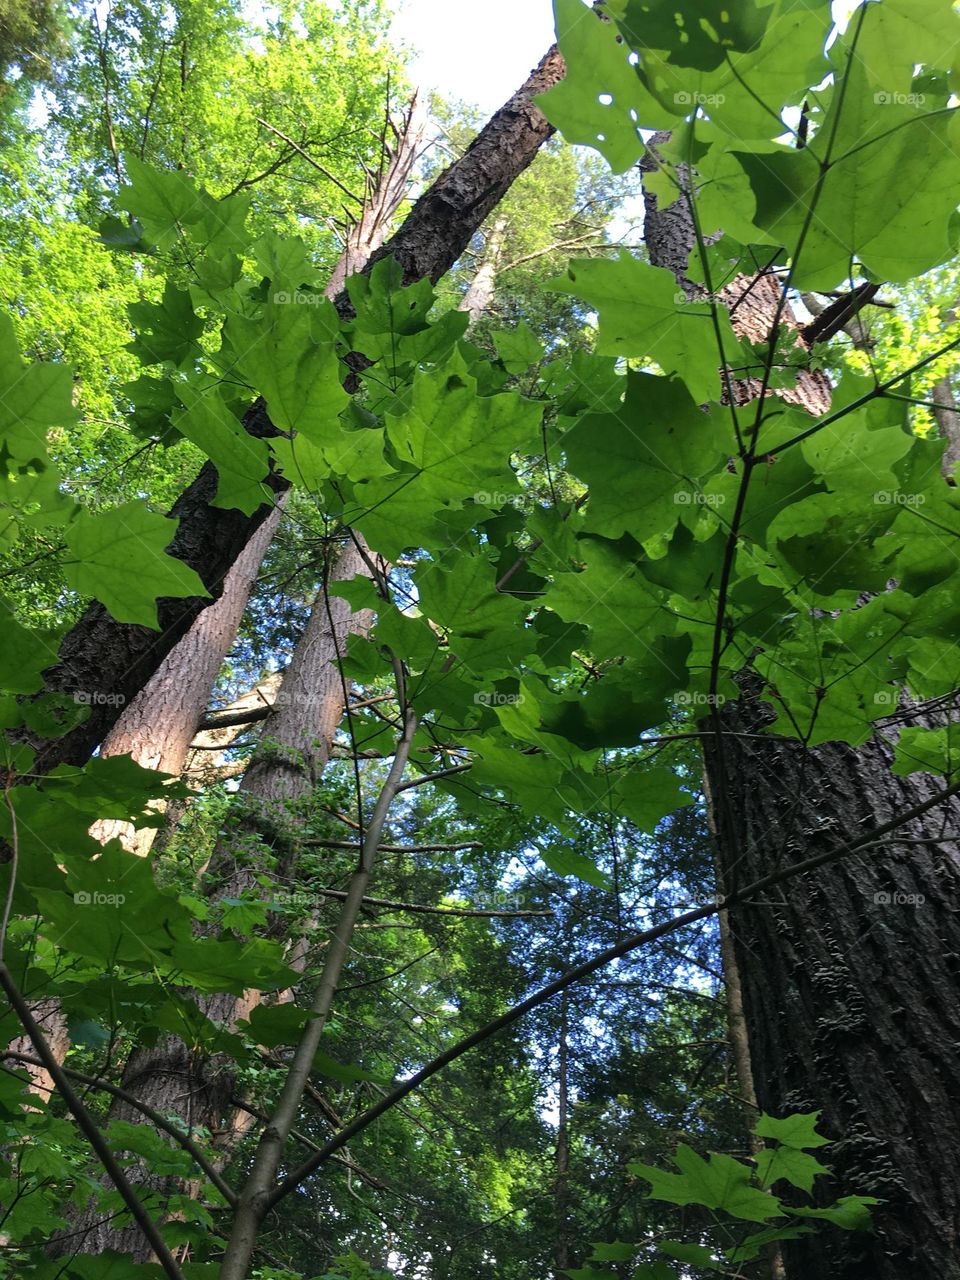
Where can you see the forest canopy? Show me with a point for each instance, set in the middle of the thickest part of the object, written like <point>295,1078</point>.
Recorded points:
<point>478,665</point>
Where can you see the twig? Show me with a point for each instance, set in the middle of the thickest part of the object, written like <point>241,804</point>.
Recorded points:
<point>600,961</point>
<point>417,908</point>
<point>89,1129</point>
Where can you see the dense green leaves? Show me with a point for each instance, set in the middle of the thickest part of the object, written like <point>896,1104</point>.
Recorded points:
<point>590,551</point>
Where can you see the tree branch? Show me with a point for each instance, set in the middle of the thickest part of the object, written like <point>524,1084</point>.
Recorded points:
<point>88,1128</point>
<point>417,908</point>
<point>622,948</point>
<point>155,1118</point>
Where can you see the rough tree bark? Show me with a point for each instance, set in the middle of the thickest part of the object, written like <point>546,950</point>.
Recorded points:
<point>851,1000</point>
<point>169,1076</point>
<point>851,997</point>
<point>102,654</point>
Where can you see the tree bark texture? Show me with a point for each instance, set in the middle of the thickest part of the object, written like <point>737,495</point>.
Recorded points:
<point>850,986</point>
<point>849,974</point>
<point>169,1076</point>
<point>100,654</point>
<point>478,297</point>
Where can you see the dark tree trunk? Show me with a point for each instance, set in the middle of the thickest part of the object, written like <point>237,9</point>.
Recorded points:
<point>445,218</point>
<point>103,655</point>
<point>852,1001</point>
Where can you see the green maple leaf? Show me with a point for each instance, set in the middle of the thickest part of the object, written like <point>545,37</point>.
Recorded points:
<point>167,330</point>
<point>646,463</point>
<point>797,1131</point>
<point>242,461</point>
<point>288,355</point>
<point>119,556</point>
<point>642,315</point>
<point>612,598</point>
<point>718,1182</point>
<point>33,398</point>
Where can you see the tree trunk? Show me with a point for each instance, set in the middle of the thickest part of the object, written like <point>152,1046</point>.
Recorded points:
<point>850,995</point>
<point>850,992</point>
<point>446,217</point>
<point>157,728</point>
<point>100,655</point>
<point>104,655</point>
<point>561,1192</point>
<point>169,1076</point>
<point>384,196</point>
<point>478,297</point>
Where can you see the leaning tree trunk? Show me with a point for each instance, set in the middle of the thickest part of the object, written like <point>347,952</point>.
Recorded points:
<point>157,728</point>
<point>479,295</point>
<point>169,1076</point>
<point>849,974</point>
<point>101,654</point>
<point>159,725</point>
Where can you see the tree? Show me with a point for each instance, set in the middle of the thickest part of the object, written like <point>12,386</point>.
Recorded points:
<point>600,567</point>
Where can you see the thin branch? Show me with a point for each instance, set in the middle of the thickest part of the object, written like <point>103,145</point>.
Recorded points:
<point>257,1190</point>
<point>310,160</point>
<point>155,1118</point>
<point>230,719</point>
<point>585,970</point>
<point>88,1127</point>
<point>417,908</point>
<point>434,777</point>
<point>394,848</point>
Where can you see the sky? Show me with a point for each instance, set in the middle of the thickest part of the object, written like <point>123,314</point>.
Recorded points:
<point>479,53</point>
